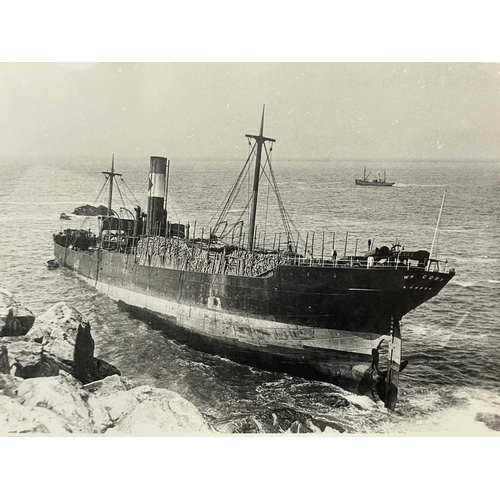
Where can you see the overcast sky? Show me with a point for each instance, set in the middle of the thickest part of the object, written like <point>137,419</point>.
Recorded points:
<point>338,110</point>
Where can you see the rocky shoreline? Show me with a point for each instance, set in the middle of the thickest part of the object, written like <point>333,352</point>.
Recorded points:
<point>50,382</point>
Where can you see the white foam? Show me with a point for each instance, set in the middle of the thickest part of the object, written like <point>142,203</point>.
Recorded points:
<point>463,284</point>
<point>454,421</point>
<point>362,401</point>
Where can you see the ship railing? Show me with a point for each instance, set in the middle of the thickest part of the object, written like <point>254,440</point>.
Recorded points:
<point>215,257</point>
<point>438,266</point>
<point>366,263</point>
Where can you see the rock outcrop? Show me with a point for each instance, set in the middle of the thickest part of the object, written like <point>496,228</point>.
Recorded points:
<point>68,345</point>
<point>63,395</point>
<point>279,421</point>
<point>86,367</point>
<point>15,418</point>
<point>50,382</point>
<point>90,211</point>
<point>9,385</point>
<point>4,360</point>
<point>15,319</point>
<point>148,410</point>
<point>491,420</point>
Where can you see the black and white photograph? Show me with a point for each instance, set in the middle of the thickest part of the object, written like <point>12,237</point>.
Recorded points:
<point>185,258</point>
<point>207,248</point>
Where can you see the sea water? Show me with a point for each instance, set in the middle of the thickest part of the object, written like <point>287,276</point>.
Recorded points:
<point>452,342</point>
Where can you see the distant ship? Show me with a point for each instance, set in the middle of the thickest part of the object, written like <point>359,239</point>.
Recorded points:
<point>375,182</point>
<point>285,303</point>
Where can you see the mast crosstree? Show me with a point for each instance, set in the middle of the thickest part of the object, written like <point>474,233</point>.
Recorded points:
<point>260,140</point>
<point>111,175</point>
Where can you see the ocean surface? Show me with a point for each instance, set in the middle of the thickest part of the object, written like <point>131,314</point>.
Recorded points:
<point>452,342</point>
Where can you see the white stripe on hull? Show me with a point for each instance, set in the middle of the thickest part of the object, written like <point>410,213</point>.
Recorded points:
<point>216,323</point>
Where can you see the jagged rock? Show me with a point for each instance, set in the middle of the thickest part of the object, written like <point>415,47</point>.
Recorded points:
<point>63,216</point>
<point>278,421</point>
<point>15,319</point>
<point>4,360</point>
<point>99,413</point>
<point>22,350</point>
<point>89,210</point>
<point>83,367</point>
<point>65,396</point>
<point>109,386</point>
<point>56,330</point>
<point>38,392</point>
<point>9,385</point>
<point>239,425</point>
<point>26,358</point>
<point>491,420</point>
<point>103,369</point>
<point>67,343</point>
<point>18,419</point>
<point>147,410</point>
<point>86,367</point>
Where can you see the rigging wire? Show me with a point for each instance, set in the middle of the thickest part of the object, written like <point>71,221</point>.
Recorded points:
<point>120,193</point>
<point>102,189</point>
<point>245,208</point>
<point>87,219</point>
<point>267,210</point>
<point>287,220</point>
<point>135,200</point>
<point>234,191</point>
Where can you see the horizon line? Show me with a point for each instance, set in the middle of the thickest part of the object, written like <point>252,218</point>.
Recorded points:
<point>301,158</point>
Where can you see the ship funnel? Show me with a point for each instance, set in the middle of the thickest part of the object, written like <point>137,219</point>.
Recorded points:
<point>156,194</point>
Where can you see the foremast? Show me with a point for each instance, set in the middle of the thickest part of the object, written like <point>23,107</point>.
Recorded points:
<point>260,140</point>
<point>111,175</point>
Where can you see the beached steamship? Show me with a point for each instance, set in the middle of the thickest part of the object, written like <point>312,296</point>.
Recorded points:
<point>291,306</point>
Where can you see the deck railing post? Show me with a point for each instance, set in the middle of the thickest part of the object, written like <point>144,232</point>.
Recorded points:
<point>323,250</point>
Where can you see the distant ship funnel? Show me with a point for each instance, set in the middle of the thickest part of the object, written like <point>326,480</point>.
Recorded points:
<point>156,194</point>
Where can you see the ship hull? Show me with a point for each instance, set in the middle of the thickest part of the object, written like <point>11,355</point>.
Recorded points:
<point>319,323</point>
<point>360,182</point>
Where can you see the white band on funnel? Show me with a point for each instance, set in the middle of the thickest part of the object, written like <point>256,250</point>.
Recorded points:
<point>157,185</point>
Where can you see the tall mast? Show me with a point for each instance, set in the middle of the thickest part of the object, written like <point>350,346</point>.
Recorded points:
<point>111,175</point>
<point>260,140</point>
